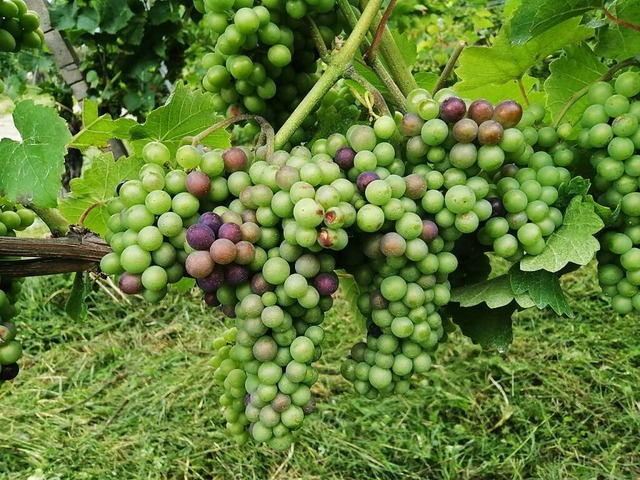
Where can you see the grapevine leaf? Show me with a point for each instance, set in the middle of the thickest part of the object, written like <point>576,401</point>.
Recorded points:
<point>569,74</point>
<point>184,285</point>
<point>187,113</point>
<point>98,130</point>
<point>489,327</point>
<point>76,306</point>
<point>534,17</point>
<point>31,170</point>
<point>503,62</point>
<point>407,48</point>
<point>495,293</point>
<point>371,77</point>
<point>573,242</point>
<point>576,186</point>
<point>617,41</point>
<point>97,185</point>
<point>608,216</point>
<point>426,80</point>
<point>114,15</point>
<point>509,89</point>
<point>542,287</point>
<point>334,120</point>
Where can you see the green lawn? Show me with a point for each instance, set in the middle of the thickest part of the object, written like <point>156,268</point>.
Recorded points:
<point>130,395</point>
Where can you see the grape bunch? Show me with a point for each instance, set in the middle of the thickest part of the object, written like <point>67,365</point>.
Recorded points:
<point>19,27</point>
<point>264,59</point>
<point>610,131</point>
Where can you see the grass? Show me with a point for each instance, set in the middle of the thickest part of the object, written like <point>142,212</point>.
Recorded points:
<point>129,394</point>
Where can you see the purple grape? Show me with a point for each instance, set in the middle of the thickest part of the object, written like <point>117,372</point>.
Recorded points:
<point>452,109</point>
<point>9,372</point>
<point>508,113</point>
<point>465,130</point>
<point>480,110</point>
<point>200,237</point>
<point>230,231</point>
<point>212,282</point>
<point>497,207</point>
<point>344,157</point>
<point>211,299</point>
<point>235,274</point>
<point>326,283</point>
<point>490,132</point>
<point>130,284</point>
<point>211,220</point>
<point>393,245</point>
<point>235,159</point>
<point>364,179</point>
<point>429,231</point>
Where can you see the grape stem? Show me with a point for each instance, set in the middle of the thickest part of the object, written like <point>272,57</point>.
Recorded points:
<point>394,59</point>
<point>606,76</point>
<point>448,69</point>
<point>378,99</point>
<point>52,218</point>
<point>86,213</point>
<point>267,130</point>
<point>318,40</point>
<point>335,69</point>
<point>523,91</point>
<point>377,38</point>
<point>394,91</point>
<point>619,21</point>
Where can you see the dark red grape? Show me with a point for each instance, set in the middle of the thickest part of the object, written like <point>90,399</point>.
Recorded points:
<point>211,299</point>
<point>452,109</point>
<point>259,285</point>
<point>364,179</point>
<point>235,159</point>
<point>200,237</point>
<point>211,220</point>
<point>198,184</point>
<point>480,111</point>
<point>236,274</point>
<point>374,330</point>
<point>429,231</point>
<point>490,132</point>
<point>230,231</point>
<point>130,284</point>
<point>344,157</point>
<point>326,283</point>
<point>229,311</point>
<point>508,113</point>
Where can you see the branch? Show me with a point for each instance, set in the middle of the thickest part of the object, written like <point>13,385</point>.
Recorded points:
<point>605,77</point>
<point>620,22</point>
<point>38,267</point>
<point>52,218</point>
<point>378,99</point>
<point>318,41</point>
<point>446,73</point>
<point>80,248</point>
<point>266,127</point>
<point>377,38</point>
<point>334,70</point>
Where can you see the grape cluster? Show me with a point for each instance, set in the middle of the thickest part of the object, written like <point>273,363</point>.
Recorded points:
<point>19,27</point>
<point>610,130</point>
<point>264,59</point>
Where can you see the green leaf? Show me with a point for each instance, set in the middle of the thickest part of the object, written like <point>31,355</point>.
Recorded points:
<point>31,170</point>
<point>184,285</point>
<point>98,130</point>
<point>333,120</point>
<point>371,77</point>
<point>576,186</point>
<point>63,15</point>
<point>407,47</point>
<point>114,14</point>
<point>426,80</point>
<point>570,74</point>
<point>503,62</point>
<point>495,293</point>
<point>542,287</point>
<point>509,89</point>
<point>573,242</point>
<point>76,306</point>
<point>187,113</point>
<point>97,185</point>
<point>489,327</point>
<point>617,41</point>
<point>534,17</point>
<point>350,292</point>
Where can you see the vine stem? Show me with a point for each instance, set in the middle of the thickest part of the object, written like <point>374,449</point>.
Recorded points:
<point>619,21</point>
<point>266,127</point>
<point>377,38</point>
<point>606,76</point>
<point>318,41</point>
<point>335,69</point>
<point>73,248</point>
<point>39,267</point>
<point>378,99</point>
<point>523,91</point>
<point>448,69</point>
<point>396,94</point>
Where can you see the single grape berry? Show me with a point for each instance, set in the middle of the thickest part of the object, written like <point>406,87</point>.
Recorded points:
<point>508,113</point>
<point>411,124</point>
<point>9,372</point>
<point>130,284</point>
<point>480,111</point>
<point>235,159</point>
<point>211,220</point>
<point>198,183</point>
<point>452,109</point>
<point>490,132</point>
<point>429,231</point>
<point>465,130</point>
<point>364,179</point>
<point>344,157</point>
<point>230,231</point>
<point>200,236</point>
<point>326,283</point>
<point>497,207</point>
